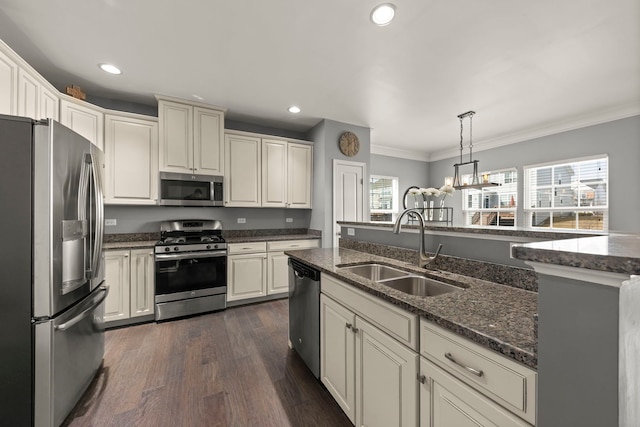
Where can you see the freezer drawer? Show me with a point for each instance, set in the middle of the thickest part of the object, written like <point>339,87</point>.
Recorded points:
<point>69,351</point>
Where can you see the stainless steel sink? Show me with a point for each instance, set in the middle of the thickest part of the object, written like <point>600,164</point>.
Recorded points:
<point>375,272</point>
<point>419,286</point>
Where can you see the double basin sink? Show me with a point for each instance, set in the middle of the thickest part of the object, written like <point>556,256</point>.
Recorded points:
<point>400,280</point>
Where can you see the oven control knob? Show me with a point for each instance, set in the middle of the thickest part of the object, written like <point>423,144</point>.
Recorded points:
<point>167,249</point>
<point>215,246</point>
<point>176,248</point>
<point>208,246</point>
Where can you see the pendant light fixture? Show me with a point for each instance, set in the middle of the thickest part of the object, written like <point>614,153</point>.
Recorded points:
<point>457,178</point>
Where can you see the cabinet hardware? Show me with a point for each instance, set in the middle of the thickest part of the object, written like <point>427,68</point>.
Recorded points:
<point>422,379</point>
<point>355,330</point>
<point>348,325</point>
<point>126,255</point>
<point>473,371</point>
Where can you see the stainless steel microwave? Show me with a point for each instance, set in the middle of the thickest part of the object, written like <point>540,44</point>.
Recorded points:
<point>178,189</point>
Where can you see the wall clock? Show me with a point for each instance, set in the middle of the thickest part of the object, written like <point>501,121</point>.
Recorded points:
<point>349,144</point>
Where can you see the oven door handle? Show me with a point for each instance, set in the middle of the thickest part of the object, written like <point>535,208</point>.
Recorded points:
<point>190,255</point>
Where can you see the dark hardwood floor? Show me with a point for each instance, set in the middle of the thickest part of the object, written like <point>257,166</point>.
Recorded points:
<point>229,368</point>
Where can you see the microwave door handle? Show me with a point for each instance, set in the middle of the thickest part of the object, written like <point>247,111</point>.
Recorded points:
<point>99,217</point>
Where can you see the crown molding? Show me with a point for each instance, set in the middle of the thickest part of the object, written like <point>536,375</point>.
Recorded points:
<point>399,152</point>
<point>549,128</point>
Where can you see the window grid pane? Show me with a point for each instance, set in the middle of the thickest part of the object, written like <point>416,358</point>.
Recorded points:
<point>492,206</point>
<point>568,195</point>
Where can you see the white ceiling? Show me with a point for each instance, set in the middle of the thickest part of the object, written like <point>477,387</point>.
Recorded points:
<point>527,68</point>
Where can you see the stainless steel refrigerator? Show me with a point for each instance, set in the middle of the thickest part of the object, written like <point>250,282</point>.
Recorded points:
<point>51,270</point>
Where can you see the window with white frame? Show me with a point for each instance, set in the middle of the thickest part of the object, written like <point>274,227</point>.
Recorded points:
<point>493,206</point>
<point>572,194</point>
<point>383,192</point>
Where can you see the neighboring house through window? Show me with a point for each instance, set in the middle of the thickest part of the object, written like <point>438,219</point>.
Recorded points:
<point>572,194</point>
<point>383,198</point>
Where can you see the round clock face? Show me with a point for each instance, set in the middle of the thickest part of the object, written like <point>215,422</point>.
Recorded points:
<point>349,144</point>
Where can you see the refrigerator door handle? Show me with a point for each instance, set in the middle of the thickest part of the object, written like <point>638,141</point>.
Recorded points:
<point>98,299</point>
<point>99,219</point>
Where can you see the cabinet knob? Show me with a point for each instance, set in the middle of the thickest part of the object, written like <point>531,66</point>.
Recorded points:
<point>126,255</point>
<point>422,379</point>
<point>348,325</point>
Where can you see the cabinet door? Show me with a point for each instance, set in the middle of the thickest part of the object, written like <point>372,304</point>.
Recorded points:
<point>386,380</point>
<point>86,120</point>
<point>176,137</point>
<point>246,276</point>
<point>337,354</point>
<point>446,401</point>
<point>28,95</point>
<point>8,85</point>
<point>49,104</point>
<point>274,173</point>
<point>131,160</point>
<point>243,171</point>
<point>300,172</point>
<point>142,282</point>
<point>278,281</point>
<point>117,278</point>
<point>208,141</point>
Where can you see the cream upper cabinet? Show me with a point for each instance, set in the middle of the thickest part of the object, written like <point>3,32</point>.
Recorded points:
<point>131,159</point>
<point>191,138</point>
<point>274,173</point>
<point>243,171</point>
<point>267,172</point>
<point>84,118</point>
<point>8,83</point>
<point>299,175</point>
<point>35,98</point>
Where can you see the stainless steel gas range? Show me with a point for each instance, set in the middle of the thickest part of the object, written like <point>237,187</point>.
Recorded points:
<point>191,268</point>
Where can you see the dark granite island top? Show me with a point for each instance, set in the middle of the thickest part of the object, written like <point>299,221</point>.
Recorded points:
<point>496,316</point>
<point>613,254</point>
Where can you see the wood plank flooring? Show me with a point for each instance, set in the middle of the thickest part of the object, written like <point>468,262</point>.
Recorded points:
<point>229,368</point>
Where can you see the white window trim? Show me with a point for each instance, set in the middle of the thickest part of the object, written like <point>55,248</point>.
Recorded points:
<point>527,193</point>
<point>513,210</point>
<point>396,198</point>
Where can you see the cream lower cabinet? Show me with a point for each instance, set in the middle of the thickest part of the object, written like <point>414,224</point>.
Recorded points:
<point>246,271</point>
<point>371,376</point>
<point>130,275</point>
<point>131,159</point>
<point>465,384</point>
<point>278,263</point>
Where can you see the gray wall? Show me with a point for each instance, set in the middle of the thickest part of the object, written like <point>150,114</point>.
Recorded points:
<point>620,139</point>
<point>409,172</point>
<point>325,136</point>
<point>146,219</point>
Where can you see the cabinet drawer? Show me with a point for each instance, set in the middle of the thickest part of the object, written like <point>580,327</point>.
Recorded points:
<point>501,379</point>
<point>400,324</point>
<point>285,245</point>
<point>246,248</point>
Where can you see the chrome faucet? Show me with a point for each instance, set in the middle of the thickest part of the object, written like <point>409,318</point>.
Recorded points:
<point>423,258</point>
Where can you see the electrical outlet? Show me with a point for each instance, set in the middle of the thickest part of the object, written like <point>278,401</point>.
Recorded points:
<point>288,219</point>
<point>242,220</point>
<point>351,232</point>
<point>110,222</point>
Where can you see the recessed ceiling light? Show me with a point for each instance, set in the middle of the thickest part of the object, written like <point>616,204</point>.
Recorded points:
<point>110,68</point>
<point>198,97</point>
<point>294,109</point>
<point>383,14</point>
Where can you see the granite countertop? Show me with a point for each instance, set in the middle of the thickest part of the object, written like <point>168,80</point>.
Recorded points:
<point>270,238</point>
<point>613,253</point>
<point>496,316</point>
<point>534,233</point>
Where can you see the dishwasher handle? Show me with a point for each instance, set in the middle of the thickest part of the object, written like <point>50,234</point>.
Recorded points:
<point>301,270</point>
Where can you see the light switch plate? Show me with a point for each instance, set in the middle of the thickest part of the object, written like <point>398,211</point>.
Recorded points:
<point>242,220</point>
<point>351,232</point>
<point>110,222</point>
<point>288,219</point>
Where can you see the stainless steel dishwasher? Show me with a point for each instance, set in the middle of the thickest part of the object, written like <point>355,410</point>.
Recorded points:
<point>304,313</point>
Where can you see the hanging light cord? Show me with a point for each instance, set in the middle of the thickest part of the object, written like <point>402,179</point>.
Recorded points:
<point>461,148</point>
<point>471,137</point>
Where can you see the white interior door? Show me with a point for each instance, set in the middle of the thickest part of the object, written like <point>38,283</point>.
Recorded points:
<point>348,194</point>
